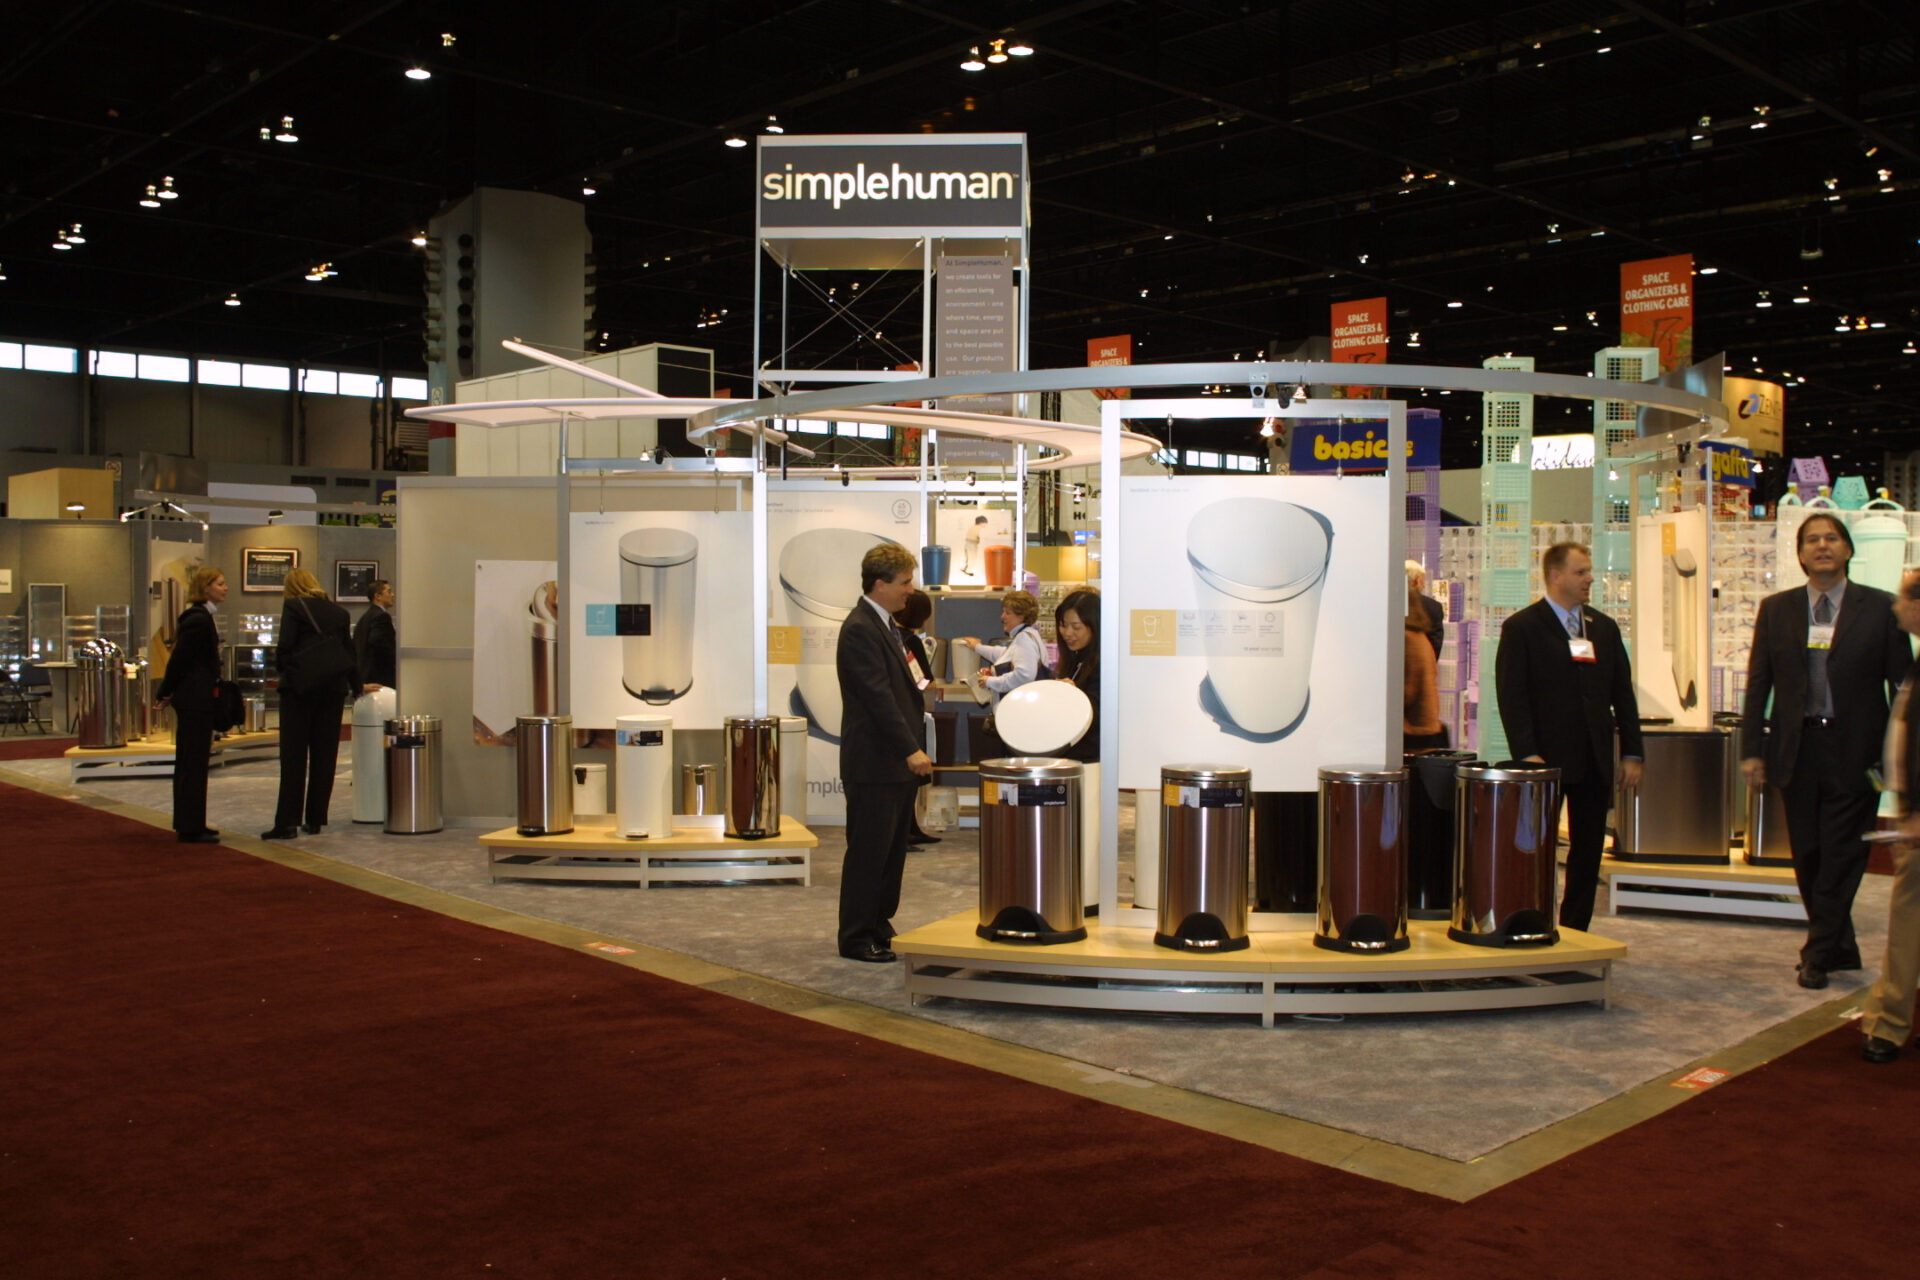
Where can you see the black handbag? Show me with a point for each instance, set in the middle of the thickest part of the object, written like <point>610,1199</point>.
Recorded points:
<point>225,708</point>
<point>322,661</point>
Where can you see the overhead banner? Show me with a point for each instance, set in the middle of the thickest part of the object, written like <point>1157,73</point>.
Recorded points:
<point>1326,445</point>
<point>1656,308</point>
<point>1107,352</point>
<point>974,324</point>
<point>1758,411</point>
<point>880,184</point>
<point>1360,337</point>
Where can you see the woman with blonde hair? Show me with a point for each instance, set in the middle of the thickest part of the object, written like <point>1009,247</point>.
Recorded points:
<point>316,665</point>
<point>193,671</point>
<point>1420,722</point>
<point>1022,659</point>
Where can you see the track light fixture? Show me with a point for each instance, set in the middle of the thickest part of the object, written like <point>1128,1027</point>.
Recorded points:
<point>1300,394</point>
<point>1266,428</point>
<point>774,125</point>
<point>996,51</point>
<point>151,200</point>
<point>285,132</point>
<point>68,237</point>
<point>735,141</point>
<point>972,61</point>
<point>321,271</point>
<point>232,300</point>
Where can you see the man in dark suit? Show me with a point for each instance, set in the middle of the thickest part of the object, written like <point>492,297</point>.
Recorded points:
<point>1436,612</point>
<point>881,754</point>
<point>373,639</point>
<point>1827,654</point>
<point>1886,1021</point>
<point>1565,689</point>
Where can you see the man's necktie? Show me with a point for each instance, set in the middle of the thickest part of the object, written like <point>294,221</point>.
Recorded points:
<point>1573,625</point>
<point>1818,697</point>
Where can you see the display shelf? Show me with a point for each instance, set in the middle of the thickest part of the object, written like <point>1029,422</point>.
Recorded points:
<point>1119,969</point>
<point>1736,889</point>
<point>593,852</point>
<point>152,757</point>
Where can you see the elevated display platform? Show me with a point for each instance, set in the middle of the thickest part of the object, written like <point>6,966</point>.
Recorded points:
<point>153,757</point>
<point>1119,969</point>
<point>593,852</point>
<point>1736,889</point>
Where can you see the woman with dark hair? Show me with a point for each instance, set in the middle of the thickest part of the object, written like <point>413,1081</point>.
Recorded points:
<point>193,669</point>
<point>910,617</point>
<point>316,664</point>
<point>1420,724</point>
<point>1076,621</point>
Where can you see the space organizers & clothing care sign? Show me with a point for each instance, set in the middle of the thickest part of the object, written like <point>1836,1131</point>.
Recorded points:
<point>1256,632</point>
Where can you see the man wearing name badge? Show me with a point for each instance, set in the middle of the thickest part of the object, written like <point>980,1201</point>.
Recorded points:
<point>882,756</point>
<point>1565,688</point>
<point>1827,654</point>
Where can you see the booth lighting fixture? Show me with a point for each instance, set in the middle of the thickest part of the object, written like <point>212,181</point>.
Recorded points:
<point>418,72</point>
<point>321,271</point>
<point>1019,48</point>
<point>996,50</point>
<point>286,133</point>
<point>1363,259</point>
<point>232,300</point>
<point>774,125</point>
<point>588,189</point>
<point>973,62</point>
<point>275,517</point>
<point>151,200</point>
<point>1709,271</point>
<point>1764,301</point>
<point>1830,183</point>
<point>1560,328</point>
<point>3,272</point>
<point>1454,306</point>
<point>735,141</point>
<point>66,238</point>
<point>1878,324</point>
<point>164,509</point>
<point>1300,394</point>
<point>1905,351</point>
<point>1760,111</point>
<point>418,240</point>
<point>1802,298</point>
<point>1605,48</point>
<point>76,508</point>
<point>1885,175</point>
<point>1413,339</point>
<point>1266,428</point>
<point>447,39</point>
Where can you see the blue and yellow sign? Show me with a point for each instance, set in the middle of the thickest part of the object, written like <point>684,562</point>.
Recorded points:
<point>1732,465</point>
<point>1332,444</point>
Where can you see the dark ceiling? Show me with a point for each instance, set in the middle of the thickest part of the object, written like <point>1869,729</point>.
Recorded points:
<point>1208,176</point>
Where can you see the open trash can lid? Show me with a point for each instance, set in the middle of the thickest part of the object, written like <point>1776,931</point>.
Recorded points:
<point>658,548</point>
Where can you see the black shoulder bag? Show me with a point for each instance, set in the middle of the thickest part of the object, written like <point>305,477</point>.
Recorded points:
<point>322,661</point>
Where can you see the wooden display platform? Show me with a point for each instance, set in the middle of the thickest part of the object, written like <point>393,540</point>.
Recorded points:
<point>591,851</point>
<point>1735,889</point>
<point>153,757</point>
<point>1119,969</point>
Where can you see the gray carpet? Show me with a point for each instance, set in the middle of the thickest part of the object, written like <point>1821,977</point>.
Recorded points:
<point>1457,1085</point>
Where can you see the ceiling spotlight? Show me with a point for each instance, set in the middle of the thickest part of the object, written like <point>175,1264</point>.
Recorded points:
<point>1802,298</point>
<point>973,62</point>
<point>1020,48</point>
<point>1830,183</point>
<point>1300,394</point>
<point>1363,259</point>
<point>1454,306</point>
<point>321,271</point>
<point>1764,301</point>
<point>74,237</point>
<point>1709,271</point>
<point>774,125</point>
<point>1559,328</point>
<point>1885,175</point>
<point>996,50</point>
<point>1413,339</point>
<point>588,189</point>
<point>233,300</point>
<point>1266,428</point>
<point>286,133</point>
<point>418,72</point>
<point>60,239</point>
<point>446,39</point>
<point>418,240</point>
<point>151,200</point>
<point>735,141</point>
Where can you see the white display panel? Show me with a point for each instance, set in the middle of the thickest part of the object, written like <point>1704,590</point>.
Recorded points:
<point>510,650</point>
<point>1672,618</point>
<point>691,571</point>
<point>816,534</point>
<point>1258,626</point>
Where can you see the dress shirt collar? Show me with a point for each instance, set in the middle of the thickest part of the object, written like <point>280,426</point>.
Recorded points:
<point>1833,596</point>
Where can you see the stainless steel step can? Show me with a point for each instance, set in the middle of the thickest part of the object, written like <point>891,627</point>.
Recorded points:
<point>543,746</point>
<point>99,692</point>
<point>1765,839</point>
<point>1363,861</point>
<point>1507,837</point>
<point>1030,887</point>
<point>1678,813</point>
<point>412,746</point>
<point>752,782</point>
<point>699,789</point>
<point>1205,822</point>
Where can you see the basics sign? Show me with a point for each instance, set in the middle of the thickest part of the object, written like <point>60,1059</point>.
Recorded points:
<point>1324,445</point>
<point>880,185</point>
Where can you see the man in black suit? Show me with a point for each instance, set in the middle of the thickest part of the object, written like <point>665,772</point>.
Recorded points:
<point>1565,688</point>
<point>373,639</point>
<point>1436,612</point>
<point>1827,654</point>
<point>881,754</point>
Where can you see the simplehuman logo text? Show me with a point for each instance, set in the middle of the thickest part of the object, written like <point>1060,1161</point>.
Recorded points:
<point>839,186</point>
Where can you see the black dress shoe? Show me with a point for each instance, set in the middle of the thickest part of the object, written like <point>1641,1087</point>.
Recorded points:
<point>921,837</point>
<point>1845,964</point>
<point>869,954</point>
<point>313,828</point>
<point>1813,977</point>
<point>280,833</point>
<point>203,837</point>
<point>1874,1049</point>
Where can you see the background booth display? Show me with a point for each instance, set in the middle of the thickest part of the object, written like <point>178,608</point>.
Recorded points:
<point>967,532</point>
<point>1672,622</point>
<point>514,638</point>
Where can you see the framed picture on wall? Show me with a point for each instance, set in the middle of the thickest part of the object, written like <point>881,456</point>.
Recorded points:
<point>353,580</point>
<point>265,569</point>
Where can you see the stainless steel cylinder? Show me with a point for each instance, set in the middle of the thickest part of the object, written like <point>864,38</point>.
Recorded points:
<point>1030,873</point>
<point>699,789</point>
<point>543,629</point>
<point>1204,827</point>
<point>1363,860</point>
<point>657,568</point>
<point>1678,812</point>
<point>253,708</point>
<point>413,775</point>
<point>543,746</point>
<point>1765,839</point>
<point>752,783</point>
<point>1508,831</point>
<point>139,694</point>
<point>1729,722</point>
<point>99,692</point>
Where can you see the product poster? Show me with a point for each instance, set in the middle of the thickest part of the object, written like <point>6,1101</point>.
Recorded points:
<point>516,639</point>
<point>658,616</point>
<point>1672,618</point>
<point>1262,626</point>
<point>966,532</point>
<point>816,535</point>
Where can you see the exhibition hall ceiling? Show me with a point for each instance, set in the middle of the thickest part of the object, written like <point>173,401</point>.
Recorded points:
<point>1208,176</point>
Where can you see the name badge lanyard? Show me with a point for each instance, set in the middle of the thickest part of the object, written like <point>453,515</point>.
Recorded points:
<point>1578,645</point>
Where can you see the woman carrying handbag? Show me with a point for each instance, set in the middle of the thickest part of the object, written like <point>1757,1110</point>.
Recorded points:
<point>316,665</point>
<point>191,687</point>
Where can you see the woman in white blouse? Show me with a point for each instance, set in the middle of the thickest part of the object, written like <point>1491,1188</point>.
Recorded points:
<point>1005,667</point>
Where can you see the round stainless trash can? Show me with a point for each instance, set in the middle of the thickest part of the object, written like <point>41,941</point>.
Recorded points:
<point>1286,851</point>
<point>1204,830</point>
<point>100,694</point>
<point>752,781</point>
<point>1765,839</point>
<point>543,750</point>
<point>413,775</point>
<point>1030,889</point>
<point>1363,860</point>
<point>253,713</point>
<point>1508,820</point>
<point>699,790</point>
<point>1431,787</point>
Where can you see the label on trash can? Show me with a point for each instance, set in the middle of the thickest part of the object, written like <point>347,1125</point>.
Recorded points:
<point>1046,795</point>
<point>989,792</point>
<point>640,737</point>
<point>405,740</point>
<point>1174,795</point>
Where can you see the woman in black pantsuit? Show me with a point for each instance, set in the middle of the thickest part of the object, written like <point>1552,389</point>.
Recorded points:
<point>1077,624</point>
<point>193,668</point>
<point>309,716</point>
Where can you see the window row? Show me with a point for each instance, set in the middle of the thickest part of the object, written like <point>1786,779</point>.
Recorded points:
<point>212,373</point>
<point>1222,461</point>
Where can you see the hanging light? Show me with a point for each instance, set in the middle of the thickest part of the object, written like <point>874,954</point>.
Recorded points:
<point>1803,297</point>
<point>774,125</point>
<point>418,72</point>
<point>3,276</point>
<point>233,300</point>
<point>60,239</point>
<point>587,188</point>
<point>1764,301</point>
<point>74,237</point>
<point>151,200</point>
<point>735,141</point>
<point>321,271</point>
<point>973,62</point>
<point>418,240</point>
<point>286,133</point>
<point>1709,271</point>
<point>997,50</point>
<point>1020,48</point>
<point>166,191</point>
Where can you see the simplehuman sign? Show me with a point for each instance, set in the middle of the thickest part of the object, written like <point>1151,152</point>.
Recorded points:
<point>861,184</point>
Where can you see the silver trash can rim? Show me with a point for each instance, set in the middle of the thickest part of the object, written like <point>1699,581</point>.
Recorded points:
<point>1443,753</point>
<point>750,722</point>
<point>1361,773</point>
<point>1028,768</point>
<point>1228,773</point>
<point>413,724</point>
<point>1507,772</point>
<point>543,720</point>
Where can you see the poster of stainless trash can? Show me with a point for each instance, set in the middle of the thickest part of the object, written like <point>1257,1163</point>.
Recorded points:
<point>1263,623</point>
<point>515,637</point>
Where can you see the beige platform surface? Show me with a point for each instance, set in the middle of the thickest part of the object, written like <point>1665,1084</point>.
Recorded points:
<point>163,747</point>
<point>1738,872</point>
<point>1126,947</point>
<point>599,837</point>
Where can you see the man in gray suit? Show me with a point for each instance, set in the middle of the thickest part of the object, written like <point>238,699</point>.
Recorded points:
<point>882,756</point>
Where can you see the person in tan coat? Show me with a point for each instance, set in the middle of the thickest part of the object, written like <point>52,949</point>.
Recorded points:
<point>1420,722</point>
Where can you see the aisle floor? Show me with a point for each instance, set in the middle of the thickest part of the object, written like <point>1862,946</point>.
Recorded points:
<point>1457,1086</point>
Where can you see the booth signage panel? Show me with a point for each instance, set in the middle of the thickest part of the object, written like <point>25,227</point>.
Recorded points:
<point>515,634</point>
<point>1656,308</point>
<point>1103,353</point>
<point>1359,332</point>
<point>1672,649</point>
<point>1732,464</point>
<point>1758,410</point>
<point>866,186</point>
<point>975,325</point>
<point>1324,446</point>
